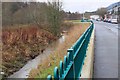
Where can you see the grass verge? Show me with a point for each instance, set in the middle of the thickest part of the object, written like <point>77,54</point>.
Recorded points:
<point>47,66</point>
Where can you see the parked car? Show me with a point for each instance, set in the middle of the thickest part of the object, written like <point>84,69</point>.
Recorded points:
<point>105,20</point>
<point>114,21</point>
<point>98,19</point>
<point>109,20</point>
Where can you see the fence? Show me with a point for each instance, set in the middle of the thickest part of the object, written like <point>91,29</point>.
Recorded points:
<point>71,68</point>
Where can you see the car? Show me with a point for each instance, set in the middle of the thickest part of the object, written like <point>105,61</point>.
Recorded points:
<point>114,21</point>
<point>105,20</point>
<point>109,21</point>
<point>98,19</point>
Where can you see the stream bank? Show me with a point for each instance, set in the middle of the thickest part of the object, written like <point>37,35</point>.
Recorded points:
<point>32,64</point>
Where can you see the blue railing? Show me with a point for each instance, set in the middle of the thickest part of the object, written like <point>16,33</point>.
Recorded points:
<point>71,68</point>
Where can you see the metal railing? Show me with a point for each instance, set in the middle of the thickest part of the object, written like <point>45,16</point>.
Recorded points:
<point>71,68</point>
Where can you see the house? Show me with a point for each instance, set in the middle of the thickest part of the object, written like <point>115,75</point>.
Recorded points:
<point>94,17</point>
<point>112,11</point>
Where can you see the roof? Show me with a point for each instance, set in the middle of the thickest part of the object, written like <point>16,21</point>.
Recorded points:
<point>113,5</point>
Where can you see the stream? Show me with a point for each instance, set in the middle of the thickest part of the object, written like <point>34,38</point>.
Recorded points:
<point>32,64</point>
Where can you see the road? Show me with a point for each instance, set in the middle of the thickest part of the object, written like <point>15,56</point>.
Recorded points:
<point>106,50</point>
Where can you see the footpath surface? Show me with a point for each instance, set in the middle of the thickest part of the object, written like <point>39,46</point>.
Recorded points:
<point>106,52</point>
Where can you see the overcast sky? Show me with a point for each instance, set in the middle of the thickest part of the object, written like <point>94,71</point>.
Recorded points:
<point>79,5</point>
<point>85,5</point>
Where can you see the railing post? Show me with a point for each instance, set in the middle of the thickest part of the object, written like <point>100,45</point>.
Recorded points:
<point>56,73</point>
<point>71,54</point>
<point>68,58</point>
<point>71,59</point>
<point>61,68</point>
<point>65,62</point>
<point>49,77</point>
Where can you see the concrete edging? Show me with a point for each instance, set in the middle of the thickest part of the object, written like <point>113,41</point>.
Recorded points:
<point>87,70</point>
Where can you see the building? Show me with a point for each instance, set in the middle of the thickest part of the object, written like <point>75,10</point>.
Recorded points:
<point>94,17</point>
<point>113,11</point>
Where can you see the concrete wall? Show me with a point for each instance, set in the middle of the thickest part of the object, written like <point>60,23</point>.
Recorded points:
<point>87,70</point>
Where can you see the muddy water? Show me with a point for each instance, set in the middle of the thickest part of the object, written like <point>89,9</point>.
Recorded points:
<point>25,70</point>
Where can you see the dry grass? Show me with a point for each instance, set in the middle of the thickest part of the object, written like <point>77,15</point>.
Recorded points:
<point>47,66</point>
<point>21,44</point>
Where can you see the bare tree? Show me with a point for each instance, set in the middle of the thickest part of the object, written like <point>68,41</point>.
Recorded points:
<point>101,12</point>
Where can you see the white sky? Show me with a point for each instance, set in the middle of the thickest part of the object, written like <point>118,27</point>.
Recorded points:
<point>85,5</point>
<point>79,5</point>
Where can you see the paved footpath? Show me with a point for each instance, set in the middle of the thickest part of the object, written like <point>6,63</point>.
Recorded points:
<point>106,51</point>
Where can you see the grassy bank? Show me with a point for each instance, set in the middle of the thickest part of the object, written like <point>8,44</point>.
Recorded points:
<point>47,66</point>
<point>21,44</point>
